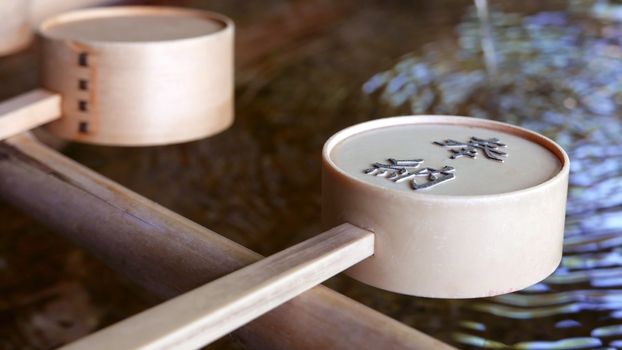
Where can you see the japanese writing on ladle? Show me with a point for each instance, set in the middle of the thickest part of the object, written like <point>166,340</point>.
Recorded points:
<point>408,170</point>
<point>404,170</point>
<point>489,147</point>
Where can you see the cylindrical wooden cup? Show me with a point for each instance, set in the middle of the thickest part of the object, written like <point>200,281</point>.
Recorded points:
<point>136,76</point>
<point>441,244</point>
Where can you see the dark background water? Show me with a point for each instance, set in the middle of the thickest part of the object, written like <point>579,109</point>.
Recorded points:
<point>306,69</point>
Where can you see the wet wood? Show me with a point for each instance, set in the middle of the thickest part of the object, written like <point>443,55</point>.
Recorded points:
<point>168,254</point>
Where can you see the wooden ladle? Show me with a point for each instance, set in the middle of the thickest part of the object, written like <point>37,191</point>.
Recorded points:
<point>130,76</point>
<point>477,209</point>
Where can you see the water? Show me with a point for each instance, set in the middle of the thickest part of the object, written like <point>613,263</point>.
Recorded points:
<point>559,73</point>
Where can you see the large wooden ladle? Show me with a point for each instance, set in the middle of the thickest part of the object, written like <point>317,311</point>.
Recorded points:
<point>490,222</point>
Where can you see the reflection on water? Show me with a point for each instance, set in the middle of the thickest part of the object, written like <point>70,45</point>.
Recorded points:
<point>570,343</point>
<point>559,73</point>
<point>487,39</point>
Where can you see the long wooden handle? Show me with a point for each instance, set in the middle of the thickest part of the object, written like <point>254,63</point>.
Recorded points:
<point>205,314</point>
<point>28,111</point>
<point>169,254</point>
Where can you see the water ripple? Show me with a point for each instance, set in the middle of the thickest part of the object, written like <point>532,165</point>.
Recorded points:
<point>570,343</point>
<point>560,73</point>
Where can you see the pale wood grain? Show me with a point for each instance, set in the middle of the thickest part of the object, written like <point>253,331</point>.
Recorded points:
<point>168,254</point>
<point>140,92</point>
<point>28,111</point>
<point>207,313</point>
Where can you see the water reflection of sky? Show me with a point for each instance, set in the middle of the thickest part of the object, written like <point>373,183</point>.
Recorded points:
<point>559,73</point>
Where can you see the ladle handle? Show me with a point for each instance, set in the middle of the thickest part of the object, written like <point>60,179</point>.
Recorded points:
<point>28,111</point>
<point>207,313</point>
